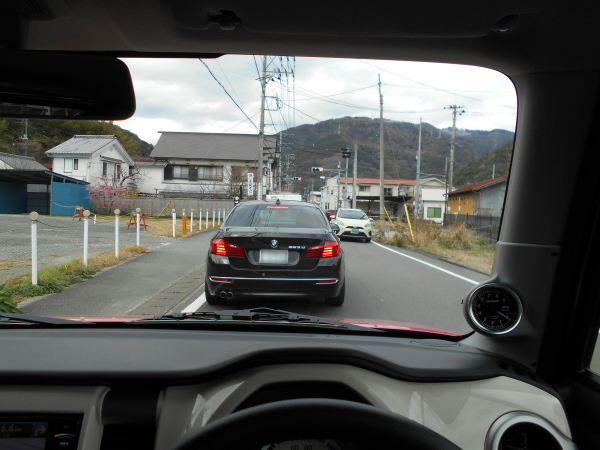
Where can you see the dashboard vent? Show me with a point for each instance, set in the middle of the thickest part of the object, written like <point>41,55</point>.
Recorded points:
<point>521,430</point>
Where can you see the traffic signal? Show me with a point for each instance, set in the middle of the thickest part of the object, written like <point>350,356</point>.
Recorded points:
<point>345,153</point>
<point>316,169</point>
<point>297,178</point>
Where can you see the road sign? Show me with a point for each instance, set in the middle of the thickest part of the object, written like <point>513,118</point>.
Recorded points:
<point>250,185</point>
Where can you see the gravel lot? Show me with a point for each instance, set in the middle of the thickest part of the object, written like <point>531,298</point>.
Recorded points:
<point>60,239</point>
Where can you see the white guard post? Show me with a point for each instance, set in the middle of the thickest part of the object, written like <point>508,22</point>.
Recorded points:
<point>117,212</point>
<point>174,222</point>
<point>137,226</point>
<point>191,220</point>
<point>34,260</point>
<point>86,227</point>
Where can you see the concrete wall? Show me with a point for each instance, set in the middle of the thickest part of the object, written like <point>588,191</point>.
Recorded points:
<point>153,206</point>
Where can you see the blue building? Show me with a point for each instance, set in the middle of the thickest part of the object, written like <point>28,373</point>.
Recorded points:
<point>26,186</point>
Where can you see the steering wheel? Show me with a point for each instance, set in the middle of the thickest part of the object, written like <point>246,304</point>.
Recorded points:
<point>288,420</point>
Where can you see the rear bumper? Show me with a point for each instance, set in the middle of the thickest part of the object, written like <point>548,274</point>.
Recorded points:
<point>244,287</point>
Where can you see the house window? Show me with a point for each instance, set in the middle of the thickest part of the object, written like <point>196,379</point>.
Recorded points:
<point>193,173</point>
<point>104,169</point>
<point>434,213</point>
<point>387,191</point>
<point>75,164</point>
<point>181,172</point>
<point>210,173</point>
<point>118,171</point>
<point>68,165</point>
<point>364,188</point>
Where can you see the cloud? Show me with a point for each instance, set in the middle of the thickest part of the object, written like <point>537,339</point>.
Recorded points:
<point>182,95</point>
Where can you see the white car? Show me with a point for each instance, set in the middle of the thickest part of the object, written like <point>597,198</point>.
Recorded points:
<point>353,223</point>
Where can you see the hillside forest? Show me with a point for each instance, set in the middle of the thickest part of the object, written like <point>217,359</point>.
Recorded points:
<point>478,154</point>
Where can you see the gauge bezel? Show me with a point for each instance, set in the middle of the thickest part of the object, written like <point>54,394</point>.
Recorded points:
<point>474,322</point>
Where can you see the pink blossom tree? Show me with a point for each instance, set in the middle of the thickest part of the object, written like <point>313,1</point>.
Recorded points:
<point>107,195</point>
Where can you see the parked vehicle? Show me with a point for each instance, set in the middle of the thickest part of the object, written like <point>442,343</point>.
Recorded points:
<point>276,249</point>
<point>354,224</point>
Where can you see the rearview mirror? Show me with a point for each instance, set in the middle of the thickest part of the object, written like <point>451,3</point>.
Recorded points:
<point>335,228</point>
<point>332,217</point>
<point>57,85</point>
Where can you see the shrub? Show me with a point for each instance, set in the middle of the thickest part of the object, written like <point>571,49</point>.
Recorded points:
<point>6,304</point>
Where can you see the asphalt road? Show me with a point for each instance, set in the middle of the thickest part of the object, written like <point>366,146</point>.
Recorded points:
<point>382,283</point>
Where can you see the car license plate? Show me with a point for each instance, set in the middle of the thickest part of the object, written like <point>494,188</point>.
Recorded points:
<point>273,257</point>
<point>353,231</point>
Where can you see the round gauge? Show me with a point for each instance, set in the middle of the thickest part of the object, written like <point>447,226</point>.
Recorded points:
<point>493,309</point>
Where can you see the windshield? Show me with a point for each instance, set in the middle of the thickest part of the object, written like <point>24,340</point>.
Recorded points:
<point>351,214</point>
<point>212,136</point>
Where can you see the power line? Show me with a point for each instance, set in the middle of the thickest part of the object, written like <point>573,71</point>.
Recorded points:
<point>433,87</point>
<point>232,99</point>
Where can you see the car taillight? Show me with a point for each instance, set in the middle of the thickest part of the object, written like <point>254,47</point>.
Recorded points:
<point>220,247</point>
<point>329,249</point>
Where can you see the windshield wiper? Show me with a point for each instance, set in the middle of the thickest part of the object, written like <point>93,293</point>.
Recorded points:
<point>258,315</point>
<point>37,320</point>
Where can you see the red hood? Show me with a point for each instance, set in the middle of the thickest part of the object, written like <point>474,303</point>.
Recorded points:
<point>367,323</point>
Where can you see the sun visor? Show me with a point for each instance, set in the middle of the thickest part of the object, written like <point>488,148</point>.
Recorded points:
<point>378,18</point>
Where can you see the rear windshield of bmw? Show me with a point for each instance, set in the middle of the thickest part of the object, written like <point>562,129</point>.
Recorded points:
<point>284,215</point>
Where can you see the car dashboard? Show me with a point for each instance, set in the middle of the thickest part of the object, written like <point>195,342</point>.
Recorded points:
<point>149,388</point>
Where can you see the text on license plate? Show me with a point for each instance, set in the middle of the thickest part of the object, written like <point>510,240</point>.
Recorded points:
<point>353,231</point>
<point>273,257</point>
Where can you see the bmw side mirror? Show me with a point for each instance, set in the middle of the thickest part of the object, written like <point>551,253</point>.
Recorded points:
<point>335,228</point>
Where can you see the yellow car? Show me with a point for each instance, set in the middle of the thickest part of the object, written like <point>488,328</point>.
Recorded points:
<point>353,223</point>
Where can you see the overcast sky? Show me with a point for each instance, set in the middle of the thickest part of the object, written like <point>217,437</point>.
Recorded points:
<point>182,95</point>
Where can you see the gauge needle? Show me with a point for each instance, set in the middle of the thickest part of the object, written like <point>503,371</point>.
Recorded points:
<point>507,318</point>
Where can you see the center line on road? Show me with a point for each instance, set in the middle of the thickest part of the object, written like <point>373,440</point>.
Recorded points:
<point>427,264</point>
<point>195,305</point>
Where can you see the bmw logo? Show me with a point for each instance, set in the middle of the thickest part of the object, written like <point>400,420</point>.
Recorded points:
<point>274,243</point>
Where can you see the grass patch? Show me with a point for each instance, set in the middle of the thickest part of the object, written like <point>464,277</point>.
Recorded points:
<point>56,279</point>
<point>456,242</point>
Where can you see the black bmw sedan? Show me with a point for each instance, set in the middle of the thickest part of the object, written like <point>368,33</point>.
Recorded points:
<point>275,249</point>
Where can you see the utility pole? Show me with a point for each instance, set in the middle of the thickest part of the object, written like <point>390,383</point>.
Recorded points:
<point>26,137</point>
<point>354,187</point>
<point>493,171</point>
<point>381,163</point>
<point>452,143</point>
<point>418,186</point>
<point>261,132</point>
<point>339,182</point>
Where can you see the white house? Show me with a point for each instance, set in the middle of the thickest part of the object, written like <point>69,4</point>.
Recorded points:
<point>339,194</point>
<point>433,200</point>
<point>87,157</point>
<point>214,164</point>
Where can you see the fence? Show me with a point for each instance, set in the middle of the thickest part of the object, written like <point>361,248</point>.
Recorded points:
<point>486,226</point>
<point>153,206</point>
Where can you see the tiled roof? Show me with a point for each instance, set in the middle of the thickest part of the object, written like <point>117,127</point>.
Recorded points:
<point>143,159</point>
<point>18,162</point>
<point>479,185</point>
<point>146,161</point>
<point>209,146</point>
<point>82,145</point>
<point>376,181</point>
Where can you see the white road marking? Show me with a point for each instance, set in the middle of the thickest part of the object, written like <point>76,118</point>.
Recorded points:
<point>195,305</point>
<point>427,264</point>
